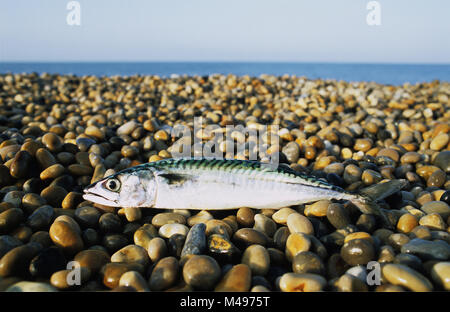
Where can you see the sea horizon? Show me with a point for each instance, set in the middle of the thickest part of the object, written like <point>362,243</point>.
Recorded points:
<point>385,73</point>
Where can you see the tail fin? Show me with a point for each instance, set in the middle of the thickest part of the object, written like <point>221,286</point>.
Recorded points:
<point>366,201</point>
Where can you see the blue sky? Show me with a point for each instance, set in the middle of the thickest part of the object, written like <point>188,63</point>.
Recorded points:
<point>414,31</point>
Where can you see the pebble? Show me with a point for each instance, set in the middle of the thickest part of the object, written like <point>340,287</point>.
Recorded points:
<point>337,216</point>
<point>433,221</point>
<point>164,274</point>
<point>167,230</point>
<point>299,223</point>
<point>54,195</point>
<point>80,170</point>
<point>7,243</point>
<point>218,227</point>
<point>175,245</point>
<point>87,216</point>
<point>41,237</point>
<point>439,207</point>
<point>349,283</point>
<point>280,237</point>
<point>292,152</point>
<point>65,236</point>
<point>352,174</point>
<point>201,217</point>
<point>16,261</point>
<point>201,272</point>
<point>440,273</point>
<point>222,249</point>
<point>427,250</point>
<point>92,259</point>
<point>47,262</point>
<point>406,223</point>
<point>245,237</point>
<point>358,271</point>
<point>195,243</point>
<point>302,282</point>
<point>358,235</point>
<point>404,276</point>
<point>265,224</point>
<point>281,215</point>
<point>409,260</point>
<point>127,128</point>
<point>21,165</point>
<point>156,249</point>
<point>296,243</point>
<point>257,258</point>
<point>131,254</point>
<point>437,179</point>
<point>389,152</point>
<point>245,217</point>
<point>143,235</point>
<point>10,219</point>
<point>110,223</point>
<point>113,271</point>
<point>397,240</point>
<point>357,251</point>
<point>410,158</point>
<point>318,209</point>
<point>14,198</point>
<point>238,278</point>
<point>442,160</point>
<point>440,141</point>
<point>167,218</point>
<point>308,262</point>
<point>52,142</point>
<point>26,286</point>
<point>41,217</point>
<point>420,232</point>
<point>52,172</point>
<point>135,280</point>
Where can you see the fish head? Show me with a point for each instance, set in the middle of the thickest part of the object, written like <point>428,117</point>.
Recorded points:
<point>123,189</point>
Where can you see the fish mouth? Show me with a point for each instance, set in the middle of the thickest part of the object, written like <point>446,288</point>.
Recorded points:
<point>99,199</point>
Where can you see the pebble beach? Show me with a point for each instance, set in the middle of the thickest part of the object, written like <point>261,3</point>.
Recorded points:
<point>60,133</point>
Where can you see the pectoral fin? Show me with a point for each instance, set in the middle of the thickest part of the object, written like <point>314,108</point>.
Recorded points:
<point>175,178</point>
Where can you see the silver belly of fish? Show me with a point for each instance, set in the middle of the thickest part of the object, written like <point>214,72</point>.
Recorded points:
<point>234,190</point>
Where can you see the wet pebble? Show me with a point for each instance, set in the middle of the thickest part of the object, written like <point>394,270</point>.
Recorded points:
<point>167,230</point>
<point>357,251</point>
<point>26,286</point>
<point>66,236</point>
<point>238,278</point>
<point>195,243</point>
<point>201,272</point>
<point>427,250</point>
<point>299,223</point>
<point>131,254</point>
<point>402,275</point>
<point>135,280</point>
<point>302,282</point>
<point>164,274</point>
<point>257,258</point>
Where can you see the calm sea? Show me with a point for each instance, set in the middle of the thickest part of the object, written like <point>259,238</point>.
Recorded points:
<point>382,73</point>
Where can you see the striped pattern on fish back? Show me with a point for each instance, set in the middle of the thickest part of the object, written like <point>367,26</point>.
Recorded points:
<point>281,173</point>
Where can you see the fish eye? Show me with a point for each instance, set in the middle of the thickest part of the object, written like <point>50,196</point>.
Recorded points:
<point>113,185</point>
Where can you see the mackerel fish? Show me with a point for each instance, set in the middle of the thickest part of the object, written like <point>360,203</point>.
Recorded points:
<point>218,184</point>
